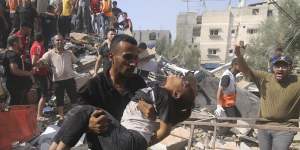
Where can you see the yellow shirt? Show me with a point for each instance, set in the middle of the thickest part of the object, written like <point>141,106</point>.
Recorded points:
<point>67,5</point>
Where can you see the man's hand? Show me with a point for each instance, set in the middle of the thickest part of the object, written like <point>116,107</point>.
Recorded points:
<point>98,122</point>
<point>147,110</point>
<point>219,111</point>
<point>237,51</point>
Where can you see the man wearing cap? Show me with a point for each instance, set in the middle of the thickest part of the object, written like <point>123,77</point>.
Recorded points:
<point>279,100</point>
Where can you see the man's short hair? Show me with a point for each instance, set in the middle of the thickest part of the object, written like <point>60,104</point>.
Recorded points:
<point>11,40</point>
<point>119,38</point>
<point>115,3</point>
<point>39,37</point>
<point>53,37</point>
<point>110,29</point>
<point>142,45</point>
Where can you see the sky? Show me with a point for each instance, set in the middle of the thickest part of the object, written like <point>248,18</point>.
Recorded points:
<point>161,14</point>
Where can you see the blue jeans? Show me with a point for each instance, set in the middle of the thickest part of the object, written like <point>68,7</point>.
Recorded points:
<point>97,22</point>
<point>275,140</point>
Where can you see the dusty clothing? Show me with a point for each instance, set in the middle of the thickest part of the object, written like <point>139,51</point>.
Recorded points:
<point>165,108</point>
<point>228,97</point>
<point>275,140</point>
<point>99,92</point>
<point>61,64</point>
<point>104,52</point>
<point>279,101</point>
<point>116,137</point>
<point>135,131</point>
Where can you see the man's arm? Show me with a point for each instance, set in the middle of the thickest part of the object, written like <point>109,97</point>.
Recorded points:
<point>219,94</point>
<point>162,132</point>
<point>18,72</point>
<point>244,68</point>
<point>97,64</point>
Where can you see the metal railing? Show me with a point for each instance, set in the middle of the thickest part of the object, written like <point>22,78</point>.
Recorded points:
<point>213,121</point>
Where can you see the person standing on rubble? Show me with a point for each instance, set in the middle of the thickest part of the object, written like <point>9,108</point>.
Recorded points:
<point>96,16</point>
<point>226,95</point>
<point>18,80</point>
<point>61,63</point>
<point>64,21</point>
<point>36,52</point>
<point>103,52</point>
<point>280,100</point>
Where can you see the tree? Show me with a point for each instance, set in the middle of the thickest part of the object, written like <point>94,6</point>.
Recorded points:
<point>179,53</point>
<point>275,32</point>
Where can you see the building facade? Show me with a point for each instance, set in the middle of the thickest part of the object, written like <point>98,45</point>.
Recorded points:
<point>220,31</point>
<point>151,36</point>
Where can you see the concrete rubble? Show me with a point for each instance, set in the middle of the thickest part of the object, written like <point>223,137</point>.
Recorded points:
<point>247,102</point>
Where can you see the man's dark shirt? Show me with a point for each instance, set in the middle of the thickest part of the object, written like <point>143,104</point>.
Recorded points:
<point>104,52</point>
<point>25,15</point>
<point>225,81</point>
<point>13,80</point>
<point>99,92</point>
<point>168,109</point>
<point>116,11</point>
<point>48,23</point>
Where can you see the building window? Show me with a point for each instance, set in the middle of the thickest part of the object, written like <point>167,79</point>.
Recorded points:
<point>212,51</point>
<point>270,13</point>
<point>152,36</point>
<point>196,31</point>
<point>255,11</point>
<point>232,31</point>
<point>199,19</point>
<point>230,51</point>
<point>195,46</point>
<point>251,31</point>
<point>190,46</point>
<point>214,32</point>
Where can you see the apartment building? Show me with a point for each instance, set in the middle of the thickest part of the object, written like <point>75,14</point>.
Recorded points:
<point>221,30</point>
<point>151,36</point>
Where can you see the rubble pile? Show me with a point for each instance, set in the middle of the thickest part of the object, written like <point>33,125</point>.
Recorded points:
<point>180,138</point>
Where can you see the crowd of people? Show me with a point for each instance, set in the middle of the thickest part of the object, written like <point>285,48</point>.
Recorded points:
<point>33,32</point>
<point>115,104</point>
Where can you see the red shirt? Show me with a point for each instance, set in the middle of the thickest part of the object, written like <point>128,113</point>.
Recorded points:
<point>95,6</point>
<point>38,50</point>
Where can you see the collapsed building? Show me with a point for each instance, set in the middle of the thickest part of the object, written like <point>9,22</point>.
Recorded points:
<point>200,131</point>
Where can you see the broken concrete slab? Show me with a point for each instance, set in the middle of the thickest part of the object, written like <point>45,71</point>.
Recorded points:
<point>177,140</point>
<point>242,131</point>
